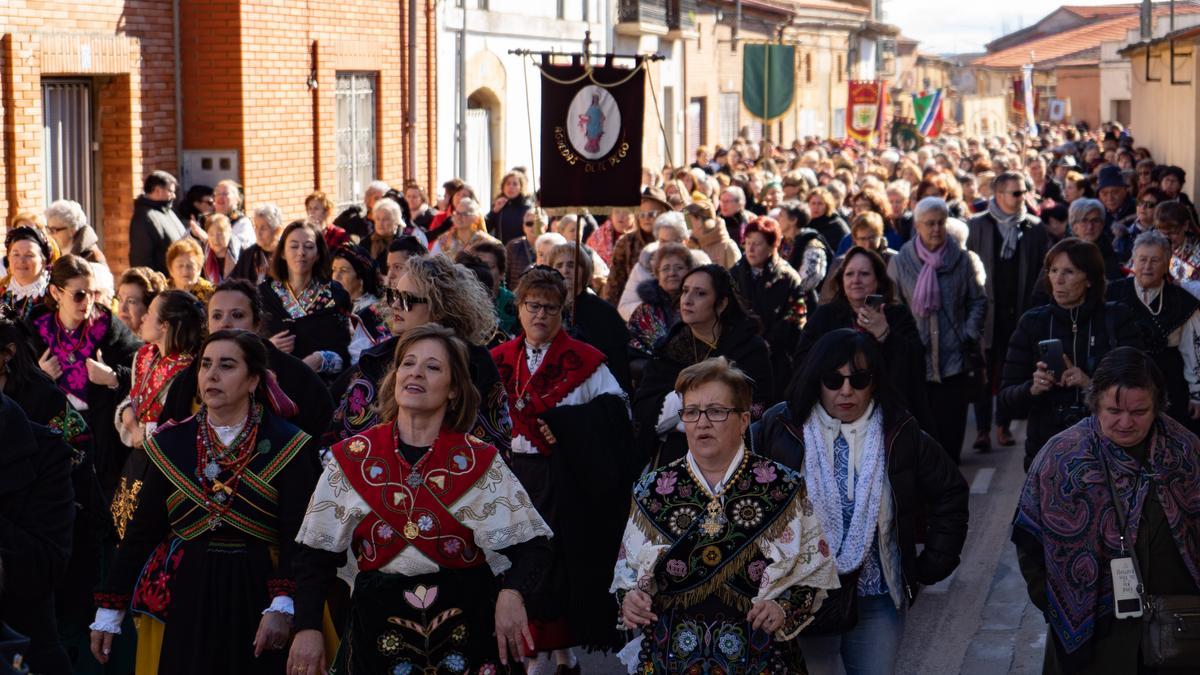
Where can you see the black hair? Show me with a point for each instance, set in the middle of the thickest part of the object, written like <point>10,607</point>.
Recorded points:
<point>248,289</point>
<point>834,350</point>
<point>798,211</point>
<point>735,312</point>
<point>476,266</point>
<point>408,244</point>
<point>184,317</point>
<point>254,352</point>
<point>157,179</point>
<point>1127,368</point>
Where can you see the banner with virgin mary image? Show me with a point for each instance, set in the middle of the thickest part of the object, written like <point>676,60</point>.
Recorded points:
<point>591,137</point>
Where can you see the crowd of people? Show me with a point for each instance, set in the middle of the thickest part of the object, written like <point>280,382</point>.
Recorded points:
<point>716,432</point>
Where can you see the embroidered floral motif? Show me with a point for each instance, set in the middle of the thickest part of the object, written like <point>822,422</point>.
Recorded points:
<point>316,296</point>
<point>666,483</point>
<point>124,503</point>
<point>389,643</point>
<point>454,662</point>
<point>425,523</point>
<point>755,570</point>
<point>686,642</point>
<point>421,597</point>
<point>676,568</point>
<point>458,635</point>
<point>747,513</point>
<point>729,644</point>
<point>404,668</point>
<point>682,519</point>
<point>764,472</point>
<point>711,556</point>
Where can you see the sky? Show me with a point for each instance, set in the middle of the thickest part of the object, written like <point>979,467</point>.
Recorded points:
<point>957,26</point>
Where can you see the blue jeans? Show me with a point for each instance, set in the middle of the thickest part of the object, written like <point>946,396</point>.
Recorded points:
<point>870,648</point>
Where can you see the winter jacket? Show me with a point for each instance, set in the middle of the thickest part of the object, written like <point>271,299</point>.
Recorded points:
<point>831,228</point>
<point>776,297</point>
<point>1100,328</point>
<point>508,223</point>
<point>716,244</point>
<point>642,272</point>
<point>86,245</point>
<point>955,329</point>
<point>930,495</point>
<point>153,228</point>
<point>1031,252</point>
<point>650,322</point>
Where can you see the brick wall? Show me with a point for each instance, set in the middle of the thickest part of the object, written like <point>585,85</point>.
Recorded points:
<point>125,48</point>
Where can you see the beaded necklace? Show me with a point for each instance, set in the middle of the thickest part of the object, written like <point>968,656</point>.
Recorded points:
<point>213,459</point>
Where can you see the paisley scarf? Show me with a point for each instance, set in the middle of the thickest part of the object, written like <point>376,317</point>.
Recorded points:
<point>1067,508</point>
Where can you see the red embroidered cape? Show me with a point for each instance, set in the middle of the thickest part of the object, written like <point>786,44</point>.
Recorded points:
<point>151,376</point>
<point>405,513</point>
<point>568,363</point>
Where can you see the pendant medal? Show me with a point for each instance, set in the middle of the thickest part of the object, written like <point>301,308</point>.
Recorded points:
<point>410,530</point>
<point>520,404</point>
<point>212,470</point>
<point>714,520</point>
<point>219,497</point>
<point>413,480</point>
<point>71,357</point>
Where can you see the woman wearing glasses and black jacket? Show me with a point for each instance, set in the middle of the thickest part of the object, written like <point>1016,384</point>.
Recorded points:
<point>869,471</point>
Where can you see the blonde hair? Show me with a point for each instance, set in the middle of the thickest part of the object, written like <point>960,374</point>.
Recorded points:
<point>460,410</point>
<point>185,246</point>
<point>457,299</point>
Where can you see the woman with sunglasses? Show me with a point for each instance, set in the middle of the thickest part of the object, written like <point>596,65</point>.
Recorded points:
<point>1142,220</point>
<point>431,290</point>
<point>27,256</point>
<point>943,286</point>
<point>722,561</point>
<point>307,312</point>
<point>570,449</point>
<point>88,353</point>
<point>879,485</point>
<point>296,393</point>
<point>713,322</point>
<point>210,546</point>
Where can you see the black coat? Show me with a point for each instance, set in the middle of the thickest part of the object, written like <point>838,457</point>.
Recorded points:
<point>153,228</point>
<point>37,511</point>
<point>831,226</point>
<point>508,224</point>
<point>931,496</point>
<point>118,348</point>
<point>323,330</point>
<point>1102,327</point>
<point>301,384</point>
<point>738,342</point>
<point>597,323</point>
<point>903,351</point>
<point>774,296</point>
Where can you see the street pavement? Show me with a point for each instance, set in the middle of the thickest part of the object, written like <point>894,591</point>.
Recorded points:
<point>979,621</point>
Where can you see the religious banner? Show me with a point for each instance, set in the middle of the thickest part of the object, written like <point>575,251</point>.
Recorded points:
<point>591,137</point>
<point>863,109</point>
<point>1031,100</point>
<point>768,80</point>
<point>927,109</point>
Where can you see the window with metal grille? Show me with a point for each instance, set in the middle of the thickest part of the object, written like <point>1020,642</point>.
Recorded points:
<point>727,120</point>
<point>696,122</point>
<point>67,143</point>
<point>354,135</point>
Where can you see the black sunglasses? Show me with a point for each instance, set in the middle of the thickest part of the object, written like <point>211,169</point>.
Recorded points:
<point>1018,193</point>
<point>859,379</point>
<point>403,299</point>
<point>78,296</point>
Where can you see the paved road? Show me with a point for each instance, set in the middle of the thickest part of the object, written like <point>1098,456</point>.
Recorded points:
<point>978,621</point>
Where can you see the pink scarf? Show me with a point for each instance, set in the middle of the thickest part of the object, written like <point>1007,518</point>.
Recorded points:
<point>927,296</point>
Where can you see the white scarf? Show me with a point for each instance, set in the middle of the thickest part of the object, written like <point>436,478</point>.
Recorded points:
<point>864,489</point>
<point>34,289</point>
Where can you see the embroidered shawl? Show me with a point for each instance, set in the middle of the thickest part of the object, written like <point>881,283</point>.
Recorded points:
<point>1066,507</point>
<point>152,376</point>
<point>73,348</point>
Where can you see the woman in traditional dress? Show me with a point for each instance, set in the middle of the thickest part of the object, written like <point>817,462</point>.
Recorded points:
<point>722,555</point>
<point>431,290</point>
<point>355,271</point>
<point>713,323</point>
<point>570,448</point>
<point>88,353</point>
<point>432,515</point>
<point>295,392</point>
<point>209,549</point>
<point>878,485</point>
<point>136,289</point>
<point>1120,485</point>
<point>307,311</point>
<point>27,255</point>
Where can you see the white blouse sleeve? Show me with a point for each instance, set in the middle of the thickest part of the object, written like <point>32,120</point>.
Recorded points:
<point>334,510</point>
<point>500,514</point>
<point>798,556</point>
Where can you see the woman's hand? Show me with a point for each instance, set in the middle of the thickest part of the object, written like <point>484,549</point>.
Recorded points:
<point>49,365</point>
<point>546,433</point>
<point>636,609</point>
<point>273,631</point>
<point>307,656</point>
<point>499,203</point>
<point>1043,381</point>
<point>101,645</point>
<point>284,341</point>
<point>1074,376</point>
<point>766,616</point>
<point>196,231</point>
<point>872,320</point>
<point>99,372</point>
<point>512,627</point>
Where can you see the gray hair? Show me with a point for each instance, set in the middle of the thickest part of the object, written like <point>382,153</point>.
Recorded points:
<point>379,186</point>
<point>69,212</point>
<point>959,231</point>
<point>737,192</point>
<point>1154,238</point>
<point>1082,207</point>
<point>271,214</point>
<point>391,208</point>
<point>928,204</point>
<point>673,220</point>
<point>549,237</point>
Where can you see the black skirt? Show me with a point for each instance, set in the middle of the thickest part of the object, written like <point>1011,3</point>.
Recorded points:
<point>217,598</point>
<point>441,623</point>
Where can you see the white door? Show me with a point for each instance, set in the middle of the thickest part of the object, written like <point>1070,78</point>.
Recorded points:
<point>478,172</point>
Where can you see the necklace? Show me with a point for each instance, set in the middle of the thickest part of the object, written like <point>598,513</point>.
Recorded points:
<point>73,344</point>
<point>1156,312</point>
<point>1074,314</point>
<point>696,351</point>
<point>714,518</point>
<point>414,480</point>
<point>214,459</point>
<point>523,392</point>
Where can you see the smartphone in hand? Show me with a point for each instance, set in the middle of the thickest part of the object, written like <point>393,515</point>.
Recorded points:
<point>1052,355</point>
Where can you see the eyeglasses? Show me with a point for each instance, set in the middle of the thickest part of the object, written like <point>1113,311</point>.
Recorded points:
<point>1147,204</point>
<point>691,415</point>
<point>648,214</point>
<point>404,300</point>
<point>536,308</point>
<point>859,379</point>
<point>56,230</point>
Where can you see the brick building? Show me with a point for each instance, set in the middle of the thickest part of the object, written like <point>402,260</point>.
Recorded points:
<point>283,96</point>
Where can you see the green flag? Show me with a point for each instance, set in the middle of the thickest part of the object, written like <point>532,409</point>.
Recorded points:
<point>768,79</point>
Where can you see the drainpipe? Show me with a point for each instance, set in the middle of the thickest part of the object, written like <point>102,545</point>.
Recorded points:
<point>412,89</point>
<point>462,96</point>
<point>178,95</point>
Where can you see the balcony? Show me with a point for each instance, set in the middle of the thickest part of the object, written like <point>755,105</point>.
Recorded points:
<point>681,20</point>
<point>643,17</point>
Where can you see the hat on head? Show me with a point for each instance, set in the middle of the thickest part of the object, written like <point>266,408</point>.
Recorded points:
<point>29,234</point>
<point>656,195</point>
<point>1110,176</point>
